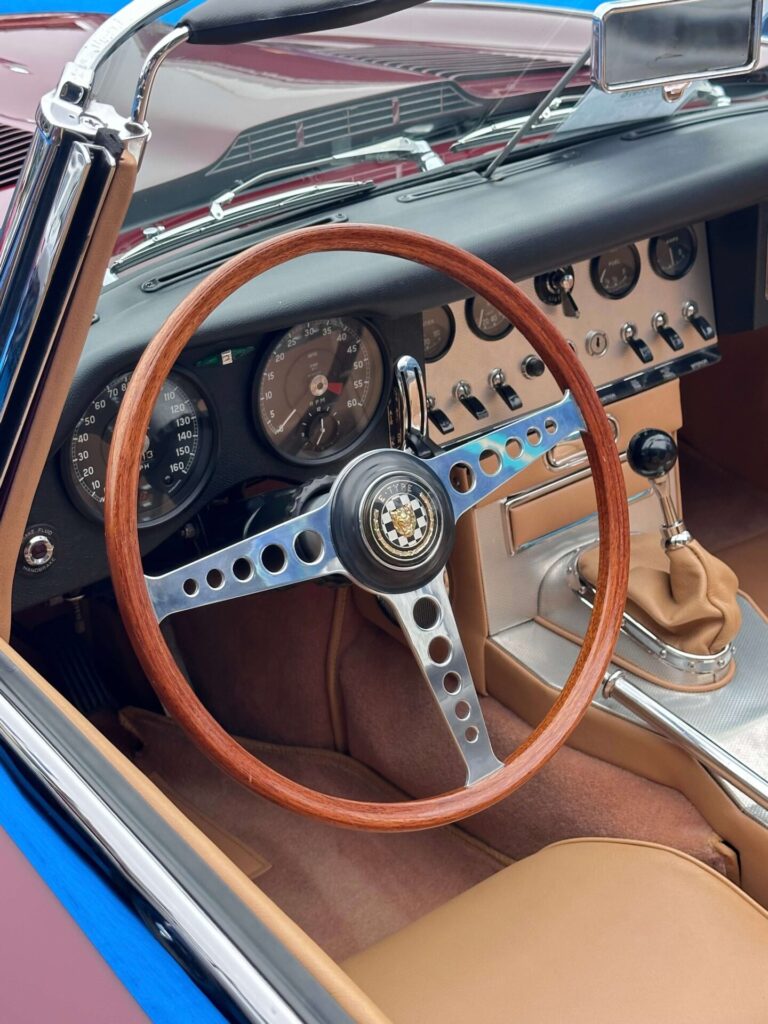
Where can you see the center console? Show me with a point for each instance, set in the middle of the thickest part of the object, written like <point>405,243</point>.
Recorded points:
<point>638,324</point>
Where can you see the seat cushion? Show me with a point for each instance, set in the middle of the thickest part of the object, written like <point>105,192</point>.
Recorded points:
<point>591,931</point>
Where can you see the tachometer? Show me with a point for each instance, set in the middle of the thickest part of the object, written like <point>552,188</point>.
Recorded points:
<point>616,272</point>
<point>176,455</point>
<point>319,388</point>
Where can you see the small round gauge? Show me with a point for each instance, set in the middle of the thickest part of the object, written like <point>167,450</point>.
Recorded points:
<point>319,388</point>
<point>673,253</point>
<point>439,329</point>
<point>615,273</point>
<point>485,320</point>
<point>177,450</point>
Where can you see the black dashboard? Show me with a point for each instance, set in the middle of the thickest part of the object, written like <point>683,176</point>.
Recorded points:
<point>292,375</point>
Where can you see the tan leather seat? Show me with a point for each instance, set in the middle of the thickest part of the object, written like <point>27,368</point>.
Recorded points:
<point>595,931</point>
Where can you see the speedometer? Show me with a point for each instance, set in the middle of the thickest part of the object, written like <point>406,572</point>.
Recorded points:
<point>176,454</point>
<point>319,388</point>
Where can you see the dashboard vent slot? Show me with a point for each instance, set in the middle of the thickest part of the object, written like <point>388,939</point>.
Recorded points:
<point>333,128</point>
<point>14,144</point>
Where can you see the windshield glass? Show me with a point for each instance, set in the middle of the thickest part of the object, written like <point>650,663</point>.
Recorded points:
<point>460,79</point>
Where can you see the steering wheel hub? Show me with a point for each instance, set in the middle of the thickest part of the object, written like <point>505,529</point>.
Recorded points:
<point>392,521</point>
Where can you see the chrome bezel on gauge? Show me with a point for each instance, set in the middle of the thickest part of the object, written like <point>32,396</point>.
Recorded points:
<point>199,478</point>
<point>451,333</point>
<point>473,325</point>
<point>359,437</point>
<point>654,259</point>
<point>594,265</point>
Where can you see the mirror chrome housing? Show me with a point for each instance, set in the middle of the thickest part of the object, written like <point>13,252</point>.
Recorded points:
<point>642,43</point>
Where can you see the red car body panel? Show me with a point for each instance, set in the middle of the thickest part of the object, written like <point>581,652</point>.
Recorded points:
<point>227,88</point>
<point>50,970</point>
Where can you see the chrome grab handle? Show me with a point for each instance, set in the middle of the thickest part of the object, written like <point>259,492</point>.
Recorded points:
<point>577,458</point>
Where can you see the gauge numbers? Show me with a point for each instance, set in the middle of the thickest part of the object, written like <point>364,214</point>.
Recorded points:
<point>486,321</point>
<point>175,455</point>
<point>319,388</point>
<point>616,272</point>
<point>673,254</point>
<point>439,328</point>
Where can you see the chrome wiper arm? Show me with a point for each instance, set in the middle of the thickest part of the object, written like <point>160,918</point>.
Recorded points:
<point>159,240</point>
<point>556,113</point>
<point>418,150</point>
<point>552,95</point>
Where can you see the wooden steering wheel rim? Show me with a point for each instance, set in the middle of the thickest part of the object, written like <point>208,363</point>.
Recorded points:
<point>128,574</point>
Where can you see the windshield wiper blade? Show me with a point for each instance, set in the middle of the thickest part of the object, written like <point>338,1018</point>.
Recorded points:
<point>499,131</point>
<point>417,150</point>
<point>159,239</point>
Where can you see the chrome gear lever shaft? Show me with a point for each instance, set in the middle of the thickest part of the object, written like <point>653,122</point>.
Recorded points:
<point>652,453</point>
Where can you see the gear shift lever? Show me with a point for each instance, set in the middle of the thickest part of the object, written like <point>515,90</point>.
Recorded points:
<point>653,453</point>
<point>682,600</point>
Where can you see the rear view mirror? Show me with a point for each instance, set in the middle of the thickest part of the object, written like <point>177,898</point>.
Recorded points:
<point>639,43</point>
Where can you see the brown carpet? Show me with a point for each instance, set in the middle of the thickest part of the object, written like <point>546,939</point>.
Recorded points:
<point>729,516</point>
<point>721,509</point>
<point>395,729</point>
<point>346,889</point>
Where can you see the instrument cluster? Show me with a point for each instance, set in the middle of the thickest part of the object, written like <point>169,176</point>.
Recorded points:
<point>635,316</point>
<point>318,388</point>
<point>315,390</point>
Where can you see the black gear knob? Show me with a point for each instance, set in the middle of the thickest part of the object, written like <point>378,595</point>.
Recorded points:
<point>652,453</point>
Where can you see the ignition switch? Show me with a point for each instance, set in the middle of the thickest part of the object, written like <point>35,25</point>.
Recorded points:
<point>556,289</point>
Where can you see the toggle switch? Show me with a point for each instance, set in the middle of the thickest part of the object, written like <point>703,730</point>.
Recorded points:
<point>463,392</point>
<point>437,417</point>
<point>660,324</point>
<point>698,322</point>
<point>629,335</point>
<point>498,381</point>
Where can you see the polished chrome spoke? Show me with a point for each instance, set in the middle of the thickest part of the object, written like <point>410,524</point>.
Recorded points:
<point>295,551</point>
<point>427,620</point>
<point>473,470</point>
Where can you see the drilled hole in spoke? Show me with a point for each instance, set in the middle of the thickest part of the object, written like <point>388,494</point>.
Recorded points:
<point>472,734</point>
<point>451,683</point>
<point>309,547</point>
<point>490,462</point>
<point>215,579</point>
<point>190,588</point>
<point>462,478</point>
<point>273,558</point>
<point>534,435</point>
<point>550,426</point>
<point>242,569</point>
<point>462,711</point>
<point>440,650</point>
<point>426,613</point>
<point>514,448</point>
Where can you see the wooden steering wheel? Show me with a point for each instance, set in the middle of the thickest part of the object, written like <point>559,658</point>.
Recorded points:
<point>354,534</point>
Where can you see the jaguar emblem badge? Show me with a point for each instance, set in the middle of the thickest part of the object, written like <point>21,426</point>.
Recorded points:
<point>403,521</point>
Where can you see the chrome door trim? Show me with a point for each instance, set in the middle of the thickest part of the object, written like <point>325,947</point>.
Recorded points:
<point>177,913</point>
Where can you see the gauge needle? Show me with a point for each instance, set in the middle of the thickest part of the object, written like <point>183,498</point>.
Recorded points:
<point>286,421</point>
<point>322,432</point>
<point>336,388</point>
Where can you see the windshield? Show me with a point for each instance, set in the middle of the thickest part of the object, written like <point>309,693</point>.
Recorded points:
<point>459,79</point>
